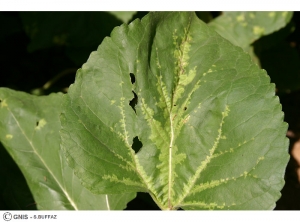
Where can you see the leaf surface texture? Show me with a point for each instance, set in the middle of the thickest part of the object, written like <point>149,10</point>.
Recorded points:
<point>211,129</point>
<point>29,130</point>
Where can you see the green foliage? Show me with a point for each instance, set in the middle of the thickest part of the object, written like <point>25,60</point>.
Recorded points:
<point>271,52</point>
<point>29,129</point>
<point>194,119</point>
<point>165,106</point>
<point>243,28</point>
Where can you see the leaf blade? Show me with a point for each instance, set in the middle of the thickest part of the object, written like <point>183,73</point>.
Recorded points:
<point>243,28</point>
<point>199,99</point>
<point>30,132</point>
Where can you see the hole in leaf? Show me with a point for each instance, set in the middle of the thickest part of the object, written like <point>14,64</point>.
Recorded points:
<point>134,101</point>
<point>143,201</point>
<point>132,78</point>
<point>137,144</point>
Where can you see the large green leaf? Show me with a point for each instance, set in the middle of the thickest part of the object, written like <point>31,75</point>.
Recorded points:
<point>29,130</point>
<point>243,28</point>
<point>210,128</point>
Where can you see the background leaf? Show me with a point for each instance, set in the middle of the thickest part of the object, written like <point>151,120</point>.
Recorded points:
<point>243,28</point>
<point>29,130</point>
<point>211,129</point>
<point>262,35</point>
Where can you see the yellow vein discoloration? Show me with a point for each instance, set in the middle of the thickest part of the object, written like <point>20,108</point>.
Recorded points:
<point>164,100</point>
<point>126,181</point>
<point>123,120</point>
<point>208,206</point>
<point>148,182</point>
<point>182,79</point>
<point>188,187</point>
<point>158,136</point>
<point>170,163</point>
<point>182,59</point>
<point>181,120</point>
<point>208,185</point>
<point>112,130</point>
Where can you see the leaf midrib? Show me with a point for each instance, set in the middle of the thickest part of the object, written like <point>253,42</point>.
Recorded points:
<point>181,70</point>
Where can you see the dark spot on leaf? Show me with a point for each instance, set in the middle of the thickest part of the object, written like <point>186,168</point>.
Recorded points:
<point>132,78</point>
<point>185,108</point>
<point>134,101</point>
<point>174,105</point>
<point>37,123</point>
<point>137,144</point>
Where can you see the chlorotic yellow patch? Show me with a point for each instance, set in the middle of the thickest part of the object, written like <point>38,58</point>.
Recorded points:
<point>284,14</point>
<point>257,30</point>
<point>3,103</point>
<point>240,18</point>
<point>9,136</point>
<point>271,14</point>
<point>41,124</point>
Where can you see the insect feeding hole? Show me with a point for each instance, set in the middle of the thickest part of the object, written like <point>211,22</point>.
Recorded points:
<point>132,78</point>
<point>134,100</point>
<point>137,144</point>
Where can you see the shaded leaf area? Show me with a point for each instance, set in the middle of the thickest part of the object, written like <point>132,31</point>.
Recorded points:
<point>79,32</point>
<point>243,28</point>
<point>29,130</point>
<point>211,128</point>
<point>15,193</point>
